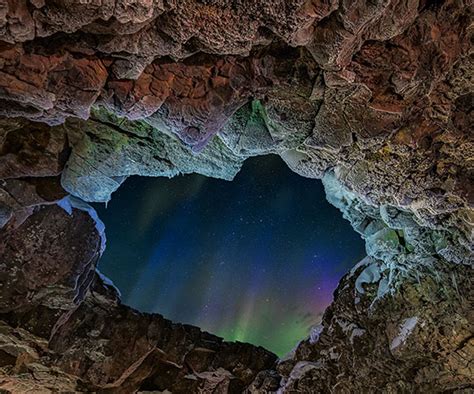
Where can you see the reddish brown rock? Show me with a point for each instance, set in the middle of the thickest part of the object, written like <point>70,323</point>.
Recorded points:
<point>38,246</point>
<point>24,366</point>
<point>374,97</point>
<point>29,149</point>
<point>48,87</point>
<point>77,328</point>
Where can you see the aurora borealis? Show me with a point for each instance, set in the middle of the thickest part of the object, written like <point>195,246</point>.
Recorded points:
<point>254,260</point>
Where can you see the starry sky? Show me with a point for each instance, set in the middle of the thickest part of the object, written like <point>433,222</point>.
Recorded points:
<point>254,260</point>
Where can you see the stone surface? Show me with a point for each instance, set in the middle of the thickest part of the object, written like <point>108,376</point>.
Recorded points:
<point>31,149</point>
<point>408,341</point>
<point>375,98</point>
<point>60,319</point>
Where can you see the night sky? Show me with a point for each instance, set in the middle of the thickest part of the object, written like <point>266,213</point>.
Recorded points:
<point>254,260</point>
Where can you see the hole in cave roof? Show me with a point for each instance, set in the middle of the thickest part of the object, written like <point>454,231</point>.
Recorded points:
<point>254,260</point>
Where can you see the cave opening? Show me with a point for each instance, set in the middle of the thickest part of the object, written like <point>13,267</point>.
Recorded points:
<point>253,260</point>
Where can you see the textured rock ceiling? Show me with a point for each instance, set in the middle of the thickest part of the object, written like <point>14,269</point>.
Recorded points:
<point>374,97</point>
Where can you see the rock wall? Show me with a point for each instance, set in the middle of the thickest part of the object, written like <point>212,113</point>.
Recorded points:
<point>61,318</point>
<point>375,98</point>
